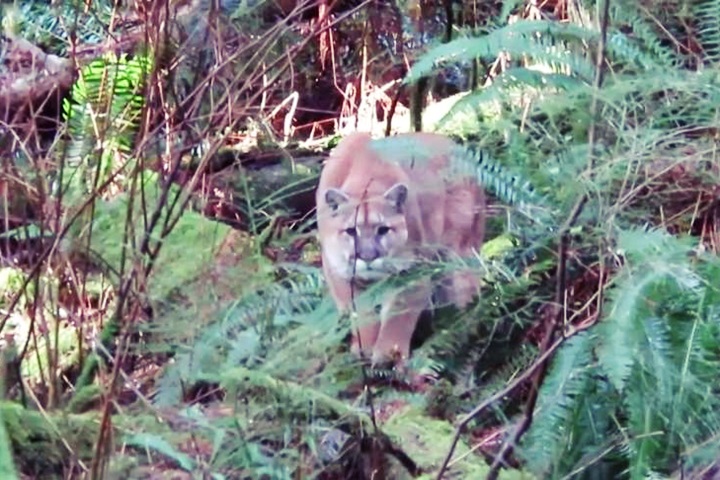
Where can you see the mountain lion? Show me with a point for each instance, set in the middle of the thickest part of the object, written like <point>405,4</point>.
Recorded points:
<point>381,204</point>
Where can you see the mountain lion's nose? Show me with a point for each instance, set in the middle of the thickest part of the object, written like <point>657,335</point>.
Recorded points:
<point>367,254</point>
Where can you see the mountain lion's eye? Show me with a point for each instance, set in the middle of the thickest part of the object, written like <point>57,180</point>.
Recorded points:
<point>351,231</point>
<point>383,229</point>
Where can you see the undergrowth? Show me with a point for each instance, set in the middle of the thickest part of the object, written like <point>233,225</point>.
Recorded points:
<point>180,343</point>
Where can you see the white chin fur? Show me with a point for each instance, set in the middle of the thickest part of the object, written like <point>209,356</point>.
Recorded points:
<point>377,269</point>
<point>363,266</point>
<point>370,274</point>
<point>368,271</point>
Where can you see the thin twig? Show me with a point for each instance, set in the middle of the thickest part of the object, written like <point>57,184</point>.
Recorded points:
<point>366,384</point>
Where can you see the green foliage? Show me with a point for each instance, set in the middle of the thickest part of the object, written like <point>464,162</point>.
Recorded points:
<point>428,439</point>
<point>519,38</point>
<point>40,443</point>
<point>707,13</point>
<point>292,400</point>
<point>11,283</point>
<point>638,393</point>
<point>657,259</point>
<point>7,466</point>
<point>53,24</point>
<point>103,115</point>
<point>559,419</point>
<point>155,443</point>
<point>229,448</point>
<point>646,45</point>
<point>511,188</point>
<point>634,397</point>
<point>478,341</point>
<point>250,330</point>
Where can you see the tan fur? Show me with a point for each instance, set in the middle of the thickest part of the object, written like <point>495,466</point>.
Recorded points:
<point>380,205</point>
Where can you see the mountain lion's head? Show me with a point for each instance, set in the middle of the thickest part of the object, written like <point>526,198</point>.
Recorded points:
<point>363,232</point>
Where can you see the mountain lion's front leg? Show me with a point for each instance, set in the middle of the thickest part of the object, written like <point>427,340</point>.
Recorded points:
<point>365,332</point>
<point>398,318</point>
<point>366,325</point>
<point>465,286</point>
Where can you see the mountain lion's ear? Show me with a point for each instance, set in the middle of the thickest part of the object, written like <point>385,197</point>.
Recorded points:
<point>397,195</point>
<point>334,198</point>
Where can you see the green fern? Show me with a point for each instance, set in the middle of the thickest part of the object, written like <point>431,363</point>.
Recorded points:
<point>40,23</point>
<point>663,259</point>
<point>707,13</point>
<point>300,400</point>
<point>7,465</point>
<point>561,395</point>
<point>249,328</point>
<point>508,186</point>
<point>645,36</point>
<point>647,359</point>
<point>620,46</point>
<point>517,39</point>
<point>480,346</point>
<point>633,396</point>
<point>103,116</point>
<point>150,442</point>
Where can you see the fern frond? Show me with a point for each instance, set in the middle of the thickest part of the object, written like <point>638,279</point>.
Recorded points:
<point>707,13</point>
<point>475,344</point>
<point>650,347</point>
<point>663,253</point>
<point>103,116</point>
<point>622,47</point>
<point>248,327</point>
<point>687,98</point>
<point>560,394</point>
<point>508,88</point>
<point>657,399</point>
<point>268,311</point>
<point>655,257</point>
<point>108,94</point>
<point>301,400</point>
<point>523,38</point>
<point>152,442</point>
<point>628,13</point>
<point>39,22</point>
<point>7,464</point>
<point>508,186</point>
<point>561,57</point>
<point>644,421</point>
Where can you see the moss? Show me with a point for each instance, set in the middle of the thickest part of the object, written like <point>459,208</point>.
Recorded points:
<point>40,443</point>
<point>427,440</point>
